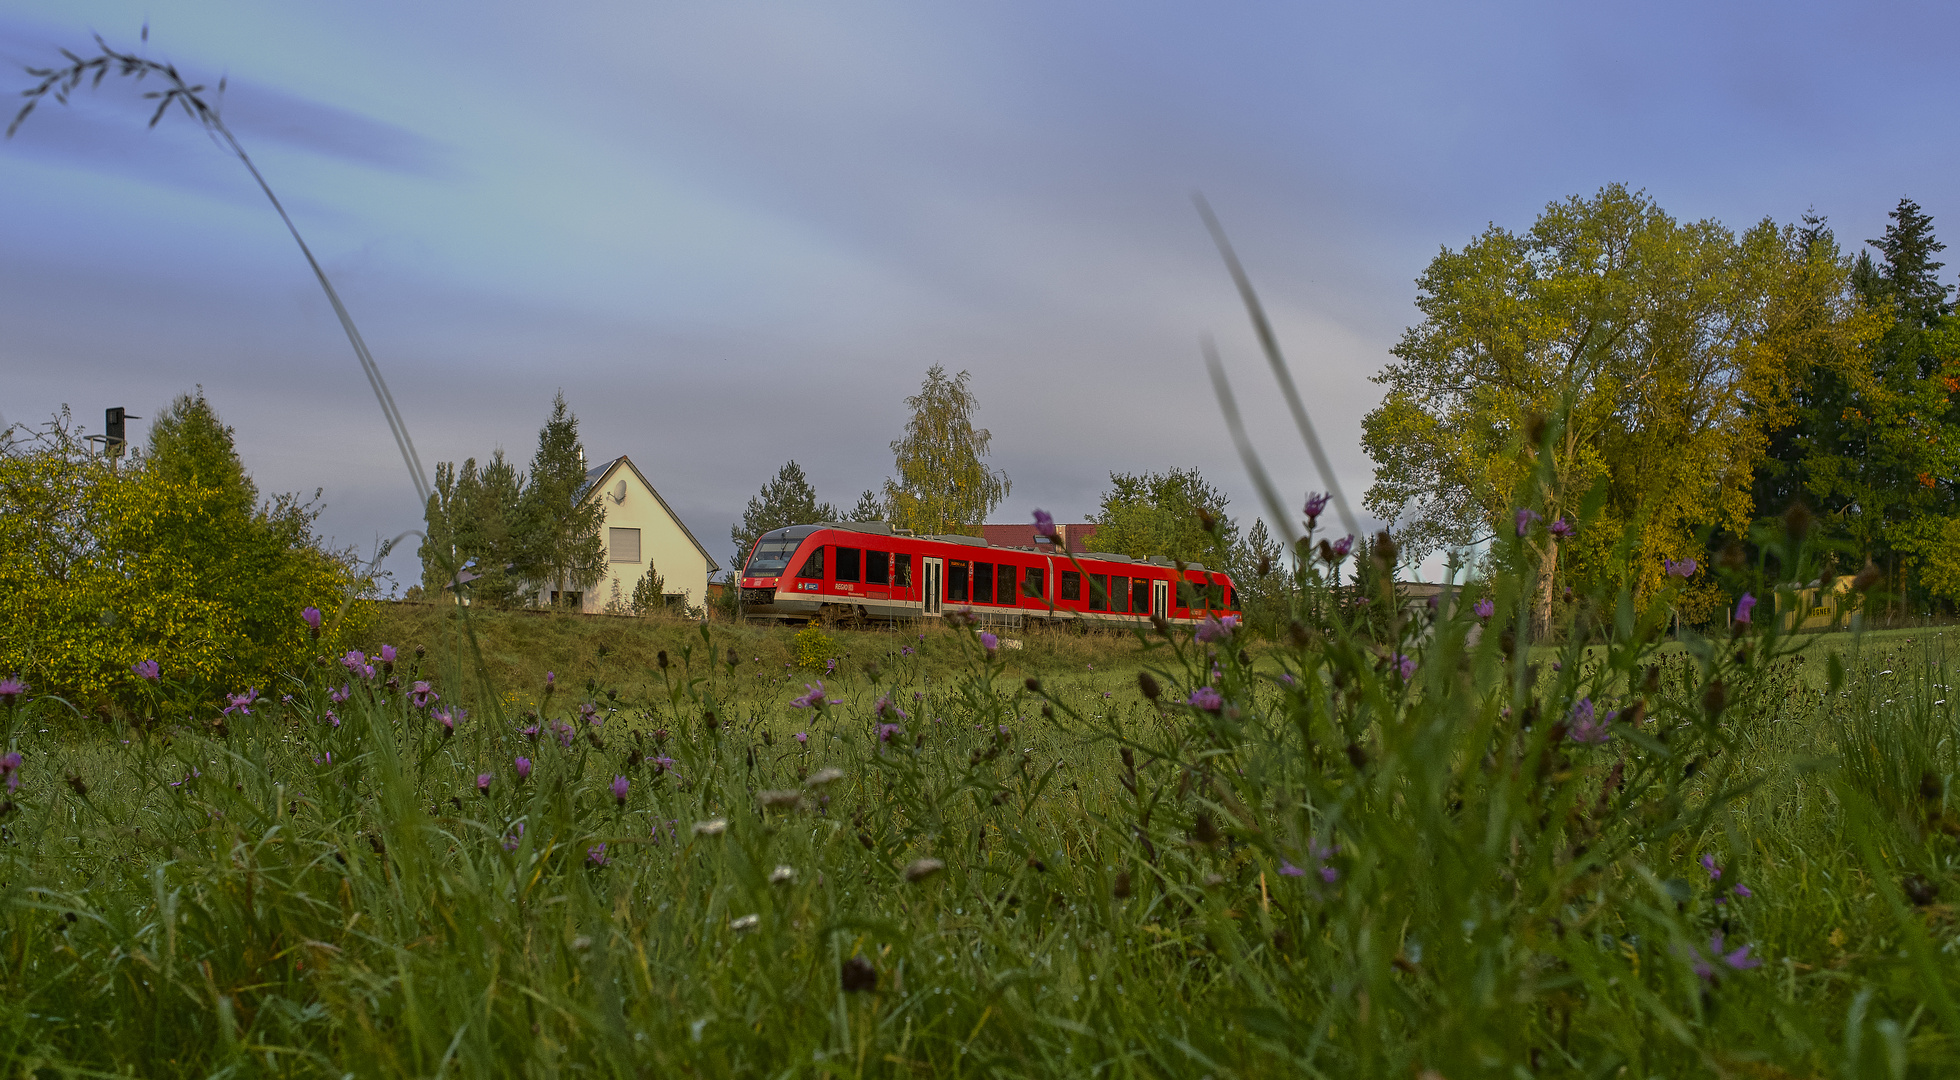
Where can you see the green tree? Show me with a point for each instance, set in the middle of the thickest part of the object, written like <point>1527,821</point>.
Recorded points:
<point>784,501</point>
<point>1662,351</point>
<point>650,595</point>
<point>869,508</point>
<point>474,523</point>
<point>558,543</point>
<point>1165,514</point>
<point>943,485</point>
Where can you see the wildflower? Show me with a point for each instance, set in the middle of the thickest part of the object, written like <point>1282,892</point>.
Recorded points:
<point>422,696</point>
<point>595,856</point>
<point>337,696</point>
<point>1683,569</point>
<point>803,737</point>
<point>779,800</point>
<point>1586,727</point>
<point>1484,609</point>
<point>745,923</point>
<point>510,842</point>
<point>1561,528</point>
<point>812,695</point>
<point>330,719</point>
<point>1407,665</point>
<point>448,721</point>
<point>566,733</point>
<point>1288,868</point>
<point>550,681</point>
<point>11,688</point>
<point>620,786</point>
<point>989,642</point>
<point>1524,519</point>
<point>241,703</point>
<point>1344,545</point>
<point>1743,606</point>
<point>711,827</point>
<point>1316,502</point>
<point>822,777</point>
<point>354,661</point>
<point>1044,524</point>
<point>830,666</point>
<point>591,714</point>
<point>782,875</point>
<point>147,669</point>
<point>1206,698</point>
<point>10,770</point>
<point>1329,875</point>
<point>1708,864</point>
<point>311,616</point>
<point>387,654</point>
<point>886,731</point>
<point>920,869</point>
<point>530,732</point>
<point>483,782</point>
<point>1735,959</point>
<point>662,764</point>
<point>1742,892</point>
<point>885,707</point>
<point>1217,629</point>
<point>523,766</point>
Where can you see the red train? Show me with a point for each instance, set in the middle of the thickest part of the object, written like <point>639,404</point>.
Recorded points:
<point>869,571</point>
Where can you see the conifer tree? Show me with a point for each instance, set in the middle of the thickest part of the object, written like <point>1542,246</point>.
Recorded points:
<point>869,508</point>
<point>559,546</point>
<point>787,500</point>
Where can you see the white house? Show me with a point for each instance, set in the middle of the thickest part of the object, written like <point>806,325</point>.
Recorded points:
<point>642,533</point>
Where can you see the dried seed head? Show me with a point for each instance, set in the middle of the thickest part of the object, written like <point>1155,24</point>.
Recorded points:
<point>745,923</point>
<point>1033,684</point>
<point>1150,690</point>
<point>1121,888</point>
<point>858,976</point>
<point>782,875</point>
<point>1797,520</point>
<point>1715,698</point>
<point>661,659</point>
<point>1384,550</point>
<point>1203,829</point>
<point>734,657</point>
<point>779,800</point>
<point>1298,635</point>
<point>711,827</point>
<point>822,777</point>
<point>920,869</point>
<point>1162,624</point>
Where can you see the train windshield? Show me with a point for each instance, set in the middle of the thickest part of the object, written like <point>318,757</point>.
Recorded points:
<point>771,557</point>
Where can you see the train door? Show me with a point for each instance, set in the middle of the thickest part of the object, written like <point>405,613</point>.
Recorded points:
<point>933,588</point>
<point>1160,596</point>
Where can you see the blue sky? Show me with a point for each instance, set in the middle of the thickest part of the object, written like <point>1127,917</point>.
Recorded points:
<point>736,234</point>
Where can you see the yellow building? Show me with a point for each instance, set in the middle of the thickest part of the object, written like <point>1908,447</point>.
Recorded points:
<point>642,533</point>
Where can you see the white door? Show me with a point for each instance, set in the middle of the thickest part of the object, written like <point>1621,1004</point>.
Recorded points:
<point>933,584</point>
<point>1160,599</point>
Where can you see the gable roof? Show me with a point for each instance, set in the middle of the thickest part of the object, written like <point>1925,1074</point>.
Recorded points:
<point>595,480</point>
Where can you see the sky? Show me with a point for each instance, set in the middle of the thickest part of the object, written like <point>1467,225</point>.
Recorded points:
<point>738,234</point>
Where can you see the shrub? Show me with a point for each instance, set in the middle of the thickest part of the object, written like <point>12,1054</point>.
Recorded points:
<point>813,647</point>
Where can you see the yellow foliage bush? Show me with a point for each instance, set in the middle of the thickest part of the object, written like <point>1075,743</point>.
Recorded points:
<point>813,647</point>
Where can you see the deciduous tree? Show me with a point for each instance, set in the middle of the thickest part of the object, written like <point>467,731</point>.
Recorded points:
<point>1165,514</point>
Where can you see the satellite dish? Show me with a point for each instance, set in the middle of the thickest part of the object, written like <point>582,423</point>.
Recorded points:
<point>619,492</point>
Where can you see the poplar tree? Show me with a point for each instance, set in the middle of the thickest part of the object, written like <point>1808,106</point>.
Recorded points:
<point>943,485</point>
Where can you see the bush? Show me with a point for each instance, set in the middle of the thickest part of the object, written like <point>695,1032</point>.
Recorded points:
<point>813,647</point>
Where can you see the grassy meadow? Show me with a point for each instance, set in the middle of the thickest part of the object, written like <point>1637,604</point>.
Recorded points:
<point>1107,855</point>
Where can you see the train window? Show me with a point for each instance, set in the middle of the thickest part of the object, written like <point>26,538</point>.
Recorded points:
<point>877,567</point>
<point>1031,583</point>
<point>1004,587</point>
<point>983,583</point>
<point>1140,596</point>
<point>771,558</point>
<point>1231,599</point>
<point>902,572</point>
<point>1098,592</point>
<point>1071,584</point>
<point>849,562</point>
<point>956,580</point>
<point>1119,593</point>
<point>812,566</point>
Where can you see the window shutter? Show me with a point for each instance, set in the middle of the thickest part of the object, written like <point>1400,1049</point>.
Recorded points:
<point>624,544</point>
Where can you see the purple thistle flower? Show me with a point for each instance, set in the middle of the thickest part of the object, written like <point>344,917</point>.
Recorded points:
<point>147,669</point>
<point>884,707</point>
<point>1586,726</point>
<point>886,731</point>
<point>354,660</point>
<point>662,764</point>
<point>530,732</point>
<point>1407,665</point>
<point>1525,517</point>
<point>590,713</point>
<point>1217,629</point>
<point>803,737</point>
<point>595,856</point>
<point>550,679</point>
<point>447,720</point>
<point>510,842</point>
<point>1206,698</point>
<point>1561,528</point>
<point>620,786</point>
<point>10,770</point>
<point>312,617</point>
<point>1329,875</point>
<point>812,695</point>
<point>1683,569</point>
<point>565,734</point>
<point>1708,864</point>
<point>1743,607</point>
<point>1484,609</point>
<point>1044,524</point>
<point>830,666</point>
<point>422,695</point>
<point>1316,502</point>
<point>523,765</point>
<point>1287,868</point>
<point>1344,545</point>
<point>241,703</point>
<point>483,782</point>
<point>11,688</point>
<point>387,654</point>
<point>1742,891</point>
<point>337,696</point>
<point>989,642</point>
<point>330,719</point>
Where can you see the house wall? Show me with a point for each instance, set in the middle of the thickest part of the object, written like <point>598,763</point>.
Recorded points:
<point>663,545</point>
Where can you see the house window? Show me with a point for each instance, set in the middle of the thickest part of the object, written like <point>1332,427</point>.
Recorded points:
<point>983,583</point>
<point>1005,590</point>
<point>848,561</point>
<point>1071,584</point>
<point>877,567</point>
<point>624,544</point>
<point>1031,583</point>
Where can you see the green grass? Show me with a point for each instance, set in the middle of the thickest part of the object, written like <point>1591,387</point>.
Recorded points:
<point>1117,892</point>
